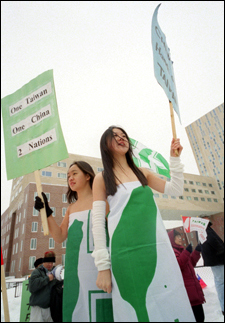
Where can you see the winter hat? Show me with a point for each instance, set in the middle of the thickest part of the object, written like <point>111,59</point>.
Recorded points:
<point>176,233</point>
<point>49,256</point>
<point>38,262</point>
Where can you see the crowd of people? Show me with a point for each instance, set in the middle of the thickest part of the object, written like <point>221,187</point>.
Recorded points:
<point>117,247</point>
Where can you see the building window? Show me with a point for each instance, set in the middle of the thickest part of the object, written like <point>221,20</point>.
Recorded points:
<point>61,164</point>
<point>61,175</point>
<point>193,190</point>
<point>64,244</point>
<point>210,185</point>
<point>206,191</point>
<point>186,189</point>
<point>156,195</point>
<point>100,169</point>
<point>24,213</point>
<point>51,243</point>
<point>34,227</point>
<point>46,173</point>
<point>209,199</point>
<point>53,209</point>
<point>200,191</point>
<point>195,198</point>
<point>202,199</point>
<point>181,197</point>
<point>13,266</point>
<point>198,183</point>
<point>64,211</point>
<point>189,198</point>
<point>23,229</point>
<point>64,198</point>
<point>31,262</point>
<point>215,200</point>
<point>19,267</point>
<point>165,196</point>
<point>204,184</point>
<point>33,244</point>
<point>16,248</point>
<point>35,212</point>
<point>21,246</point>
<point>173,197</point>
<point>191,182</point>
<point>212,192</point>
<point>185,182</point>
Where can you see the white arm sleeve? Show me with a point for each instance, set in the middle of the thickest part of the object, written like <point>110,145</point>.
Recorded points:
<point>100,253</point>
<point>176,184</point>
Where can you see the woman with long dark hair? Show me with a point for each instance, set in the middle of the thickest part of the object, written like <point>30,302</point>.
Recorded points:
<point>140,251</point>
<point>79,292</point>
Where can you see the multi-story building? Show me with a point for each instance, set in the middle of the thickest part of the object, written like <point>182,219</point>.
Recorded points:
<point>206,136</point>
<point>22,237</point>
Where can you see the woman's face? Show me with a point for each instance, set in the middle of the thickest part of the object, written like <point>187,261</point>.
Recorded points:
<point>178,240</point>
<point>120,142</point>
<point>76,178</point>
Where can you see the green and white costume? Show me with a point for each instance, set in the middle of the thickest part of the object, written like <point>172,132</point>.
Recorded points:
<point>82,300</point>
<point>147,284</point>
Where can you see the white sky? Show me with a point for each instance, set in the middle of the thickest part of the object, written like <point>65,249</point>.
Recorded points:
<point>102,60</point>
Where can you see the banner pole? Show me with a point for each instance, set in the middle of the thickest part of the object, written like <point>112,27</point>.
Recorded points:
<point>42,211</point>
<point>4,292</point>
<point>173,123</point>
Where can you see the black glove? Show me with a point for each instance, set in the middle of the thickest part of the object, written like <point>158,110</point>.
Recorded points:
<point>39,204</point>
<point>189,248</point>
<point>198,247</point>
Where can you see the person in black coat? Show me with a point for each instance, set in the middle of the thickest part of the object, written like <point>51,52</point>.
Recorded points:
<point>41,282</point>
<point>213,256</point>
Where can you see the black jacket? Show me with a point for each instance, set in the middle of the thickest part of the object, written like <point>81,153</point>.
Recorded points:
<point>212,248</point>
<point>40,287</point>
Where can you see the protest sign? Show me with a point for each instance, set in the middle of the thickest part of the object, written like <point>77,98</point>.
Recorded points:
<point>196,224</point>
<point>32,131</point>
<point>25,307</point>
<point>4,291</point>
<point>163,65</point>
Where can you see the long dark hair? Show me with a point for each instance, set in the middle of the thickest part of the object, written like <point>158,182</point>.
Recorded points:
<point>86,169</point>
<point>109,161</point>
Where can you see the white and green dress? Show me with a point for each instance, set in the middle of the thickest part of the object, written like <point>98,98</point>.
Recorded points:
<point>82,300</point>
<point>147,284</point>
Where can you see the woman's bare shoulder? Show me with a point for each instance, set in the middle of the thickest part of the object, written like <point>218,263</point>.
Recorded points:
<point>99,188</point>
<point>99,179</point>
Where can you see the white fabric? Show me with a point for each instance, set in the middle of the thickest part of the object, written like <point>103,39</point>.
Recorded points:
<point>81,275</point>
<point>39,314</point>
<point>167,289</point>
<point>176,184</point>
<point>100,254</point>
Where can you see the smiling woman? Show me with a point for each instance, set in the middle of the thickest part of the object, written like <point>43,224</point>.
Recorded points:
<point>134,269</point>
<point>80,292</point>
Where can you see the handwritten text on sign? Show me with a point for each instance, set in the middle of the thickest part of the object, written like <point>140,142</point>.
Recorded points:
<point>32,131</point>
<point>30,99</point>
<point>31,120</point>
<point>37,143</point>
